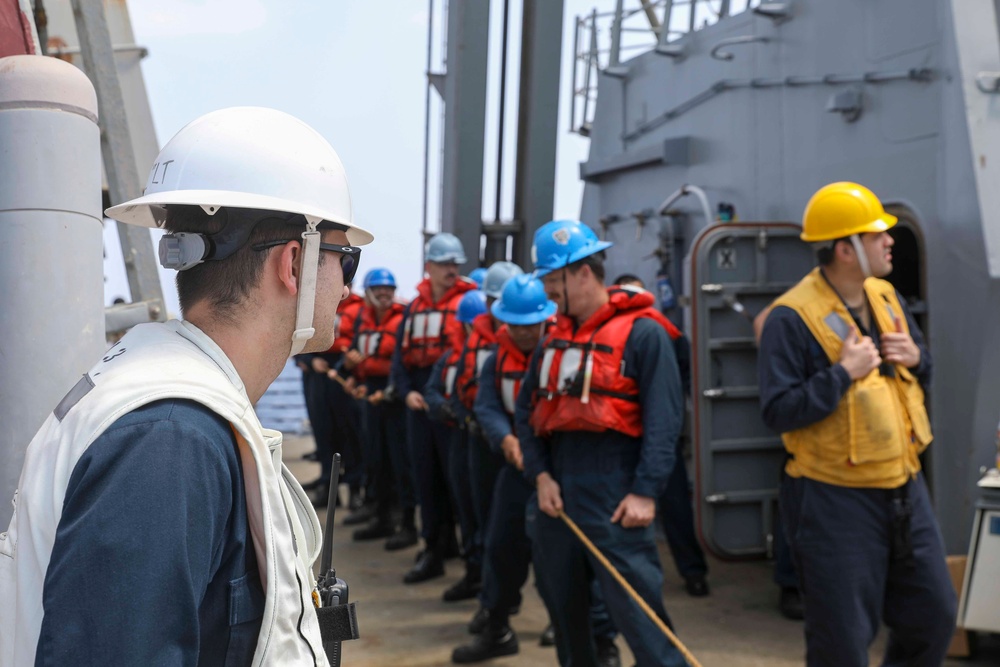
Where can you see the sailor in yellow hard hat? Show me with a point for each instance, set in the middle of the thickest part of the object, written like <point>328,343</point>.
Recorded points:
<point>842,366</point>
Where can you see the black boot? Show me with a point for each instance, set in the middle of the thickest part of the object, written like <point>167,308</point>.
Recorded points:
<point>405,537</point>
<point>356,500</point>
<point>548,637</point>
<point>696,585</point>
<point>493,642</point>
<point>429,566</point>
<point>467,587</point>
<point>376,530</point>
<point>363,514</point>
<point>790,603</point>
<point>607,652</point>
<point>480,621</point>
<point>449,545</point>
<point>320,495</point>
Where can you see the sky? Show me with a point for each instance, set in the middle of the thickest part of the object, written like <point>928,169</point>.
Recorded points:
<point>355,71</point>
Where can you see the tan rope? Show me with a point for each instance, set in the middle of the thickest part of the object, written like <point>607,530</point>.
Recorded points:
<point>631,591</point>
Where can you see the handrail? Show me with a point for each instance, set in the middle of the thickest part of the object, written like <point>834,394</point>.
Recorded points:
<point>719,54</point>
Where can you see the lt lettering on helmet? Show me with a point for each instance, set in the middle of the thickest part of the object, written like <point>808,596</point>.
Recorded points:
<point>156,169</point>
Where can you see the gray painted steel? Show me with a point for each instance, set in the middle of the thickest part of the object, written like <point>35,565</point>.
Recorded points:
<point>734,272</point>
<point>537,124</point>
<point>51,268</point>
<point>762,136</point>
<point>465,123</point>
<point>537,120</point>
<point>119,155</point>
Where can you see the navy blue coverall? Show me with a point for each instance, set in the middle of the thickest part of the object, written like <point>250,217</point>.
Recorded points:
<point>152,562</point>
<point>595,471</point>
<point>674,506</point>
<point>430,446</point>
<point>442,410</point>
<point>507,549</point>
<point>336,421</point>
<point>387,452</point>
<point>482,463</point>
<point>861,557</point>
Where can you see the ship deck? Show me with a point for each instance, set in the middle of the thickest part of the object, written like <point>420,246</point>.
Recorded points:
<point>738,625</point>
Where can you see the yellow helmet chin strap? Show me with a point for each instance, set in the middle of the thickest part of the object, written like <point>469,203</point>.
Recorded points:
<point>306,303</point>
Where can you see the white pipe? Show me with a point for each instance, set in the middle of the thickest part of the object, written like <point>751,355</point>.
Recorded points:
<point>51,260</point>
<point>687,190</point>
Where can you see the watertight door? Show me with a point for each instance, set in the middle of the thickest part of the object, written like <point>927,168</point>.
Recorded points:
<point>732,273</point>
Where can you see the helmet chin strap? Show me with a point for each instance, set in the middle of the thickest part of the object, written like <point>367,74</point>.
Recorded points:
<point>306,303</point>
<point>565,291</point>
<point>859,250</point>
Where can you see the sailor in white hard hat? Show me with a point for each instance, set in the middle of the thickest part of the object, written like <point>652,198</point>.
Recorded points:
<point>154,521</point>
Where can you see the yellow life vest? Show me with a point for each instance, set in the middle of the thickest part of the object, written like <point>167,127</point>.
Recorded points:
<point>874,436</point>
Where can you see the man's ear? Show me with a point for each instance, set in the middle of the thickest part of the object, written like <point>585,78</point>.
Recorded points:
<point>845,253</point>
<point>287,262</point>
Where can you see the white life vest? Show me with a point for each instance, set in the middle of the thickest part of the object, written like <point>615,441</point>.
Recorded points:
<point>174,360</point>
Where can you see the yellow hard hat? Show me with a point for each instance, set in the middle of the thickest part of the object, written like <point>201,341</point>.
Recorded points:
<point>842,209</point>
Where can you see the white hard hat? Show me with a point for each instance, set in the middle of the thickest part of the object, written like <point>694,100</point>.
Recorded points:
<point>247,157</point>
<point>443,248</point>
<point>498,274</point>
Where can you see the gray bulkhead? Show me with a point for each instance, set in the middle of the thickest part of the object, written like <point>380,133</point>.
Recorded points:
<point>758,132</point>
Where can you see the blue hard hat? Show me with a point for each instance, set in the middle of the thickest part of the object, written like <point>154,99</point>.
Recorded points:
<point>497,275</point>
<point>559,243</point>
<point>379,278</point>
<point>473,303</point>
<point>523,301</point>
<point>444,248</point>
<point>477,276</point>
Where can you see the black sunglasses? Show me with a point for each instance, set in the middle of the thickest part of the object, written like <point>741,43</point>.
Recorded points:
<point>350,256</point>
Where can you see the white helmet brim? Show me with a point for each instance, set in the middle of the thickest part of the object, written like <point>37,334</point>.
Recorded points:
<point>150,211</point>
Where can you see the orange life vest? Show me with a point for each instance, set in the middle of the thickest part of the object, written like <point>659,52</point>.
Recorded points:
<point>431,328</point>
<point>511,364</point>
<point>347,315</point>
<point>581,385</point>
<point>481,342</point>
<point>377,340</point>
